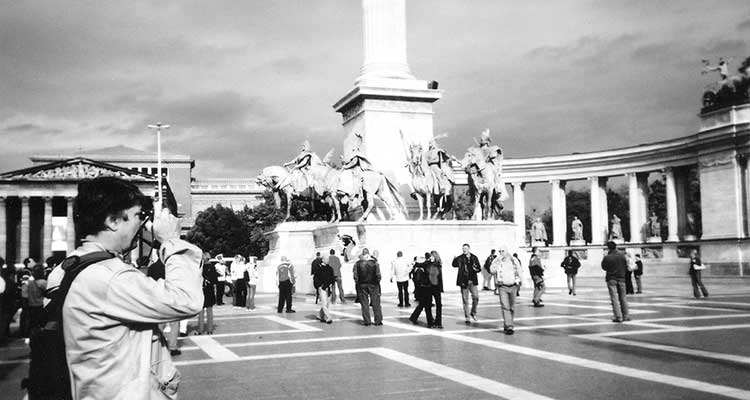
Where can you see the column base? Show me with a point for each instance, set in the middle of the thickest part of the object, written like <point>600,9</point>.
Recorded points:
<point>673,239</point>
<point>538,244</point>
<point>653,239</point>
<point>577,242</point>
<point>689,238</point>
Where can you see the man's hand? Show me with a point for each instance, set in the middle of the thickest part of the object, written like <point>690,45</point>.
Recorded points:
<point>165,226</point>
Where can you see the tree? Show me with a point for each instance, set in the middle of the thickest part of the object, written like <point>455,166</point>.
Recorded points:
<point>219,230</point>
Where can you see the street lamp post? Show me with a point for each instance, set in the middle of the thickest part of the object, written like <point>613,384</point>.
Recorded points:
<point>158,126</point>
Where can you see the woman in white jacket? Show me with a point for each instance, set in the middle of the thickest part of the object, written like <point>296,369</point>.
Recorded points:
<point>507,273</point>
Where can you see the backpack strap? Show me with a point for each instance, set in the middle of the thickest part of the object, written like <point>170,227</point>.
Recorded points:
<point>72,266</point>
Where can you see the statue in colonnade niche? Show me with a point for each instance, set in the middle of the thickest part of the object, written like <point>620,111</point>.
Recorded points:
<point>654,226</point>
<point>576,226</point>
<point>538,231</point>
<point>615,233</point>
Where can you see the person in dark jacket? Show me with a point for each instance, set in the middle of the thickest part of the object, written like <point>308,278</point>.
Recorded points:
<point>536,269</point>
<point>210,277</point>
<point>571,264</point>
<point>616,267</point>
<point>638,273</point>
<point>423,291</point>
<point>435,275</point>
<point>466,278</point>
<point>367,278</point>
<point>323,278</point>
<point>696,266</point>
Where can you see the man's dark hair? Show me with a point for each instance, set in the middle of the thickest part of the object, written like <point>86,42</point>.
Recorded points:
<point>399,253</point>
<point>466,244</point>
<point>611,245</point>
<point>332,252</point>
<point>102,197</point>
<point>317,254</point>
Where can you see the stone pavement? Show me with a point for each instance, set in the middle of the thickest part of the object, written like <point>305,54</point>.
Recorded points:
<point>675,347</point>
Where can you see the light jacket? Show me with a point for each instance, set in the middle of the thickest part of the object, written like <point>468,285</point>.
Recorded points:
<point>400,269</point>
<point>109,318</point>
<point>507,271</point>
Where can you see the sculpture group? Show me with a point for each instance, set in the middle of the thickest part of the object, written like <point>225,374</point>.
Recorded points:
<point>357,183</point>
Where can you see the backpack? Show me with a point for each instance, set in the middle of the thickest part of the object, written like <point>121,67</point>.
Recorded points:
<point>420,276</point>
<point>49,377</point>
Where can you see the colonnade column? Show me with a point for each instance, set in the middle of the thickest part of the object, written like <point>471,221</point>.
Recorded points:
<point>519,211</point>
<point>672,215</point>
<point>559,217</point>
<point>3,226</point>
<point>604,210</point>
<point>597,229</point>
<point>635,220</point>
<point>47,229</point>
<point>70,231</point>
<point>24,242</point>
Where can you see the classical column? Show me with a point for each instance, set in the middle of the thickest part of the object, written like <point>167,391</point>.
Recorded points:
<point>519,212</point>
<point>384,24</point>
<point>47,229</point>
<point>559,217</point>
<point>24,243</point>
<point>672,215</point>
<point>596,210</point>
<point>635,224</point>
<point>604,211</point>
<point>70,231</point>
<point>3,226</point>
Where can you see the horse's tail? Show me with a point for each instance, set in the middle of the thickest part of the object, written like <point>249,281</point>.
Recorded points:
<point>396,196</point>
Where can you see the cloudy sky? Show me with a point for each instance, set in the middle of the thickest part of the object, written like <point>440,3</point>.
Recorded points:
<point>244,82</point>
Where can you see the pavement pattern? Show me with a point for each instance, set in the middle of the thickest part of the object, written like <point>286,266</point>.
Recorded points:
<point>675,347</point>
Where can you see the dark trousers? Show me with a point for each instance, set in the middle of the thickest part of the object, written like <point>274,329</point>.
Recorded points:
<point>219,293</point>
<point>240,292</point>
<point>285,295</point>
<point>403,293</point>
<point>695,279</point>
<point>424,302</point>
<point>437,297</point>
<point>629,283</point>
<point>370,294</point>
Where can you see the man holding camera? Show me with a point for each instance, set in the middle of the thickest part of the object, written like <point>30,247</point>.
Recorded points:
<point>112,310</point>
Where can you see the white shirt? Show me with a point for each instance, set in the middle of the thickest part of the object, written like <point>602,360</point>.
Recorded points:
<point>238,270</point>
<point>221,269</point>
<point>400,269</point>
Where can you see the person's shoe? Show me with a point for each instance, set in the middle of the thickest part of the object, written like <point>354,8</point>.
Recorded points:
<point>474,318</point>
<point>570,291</point>
<point>439,326</point>
<point>616,320</point>
<point>367,324</point>
<point>175,352</point>
<point>378,324</point>
<point>407,305</point>
<point>330,321</point>
<point>290,311</point>
<point>468,322</point>
<point>574,293</point>
<point>279,311</point>
<point>626,319</point>
<point>400,305</point>
<point>538,304</point>
<point>414,322</point>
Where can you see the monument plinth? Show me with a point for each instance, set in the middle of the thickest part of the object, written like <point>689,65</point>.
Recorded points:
<point>387,107</point>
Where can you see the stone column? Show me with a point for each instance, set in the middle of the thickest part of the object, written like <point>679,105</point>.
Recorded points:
<point>3,227</point>
<point>559,217</point>
<point>70,231</point>
<point>604,211</point>
<point>681,183</point>
<point>635,213</point>
<point>384,23</point>
<point>596,211</point>
<point>672,215</point>
<point>47,228</point>
<point>24,242</point>
<point>519,211</point>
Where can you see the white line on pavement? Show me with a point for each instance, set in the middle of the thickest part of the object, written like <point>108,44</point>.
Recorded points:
<point>670,329</point>
<point>292,324</point>
<point>458,376</point>
<point>275,356</point>
<point>216,351</point>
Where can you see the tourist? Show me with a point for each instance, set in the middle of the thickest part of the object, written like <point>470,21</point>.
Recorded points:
<point>536,269</point>
<point>638,273</point>
<point>486,271</point>
<point>335,264</point>
<point>507,273</point>
<point>466,278</point>
<point>629,274</point>
<point>206,316</point>
<point>422,290</point>
<point>518,288</point>
<point>221,281</point>
<point>571,264</point>
<point>616,267</point>
<point>285,282</point>
<point>696,267</point>
<point>322,275</point>
<point>314,265</point>
<point>8,299</point>
<point>435,275</point>
<point>251,275</point>
<point>367,280</point>
<point>400,272</point>
<point>112,309</point>
<point>35,289</point>
<point>238,269</point>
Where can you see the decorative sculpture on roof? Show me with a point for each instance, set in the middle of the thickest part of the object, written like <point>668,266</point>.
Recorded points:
<point>728,90</point>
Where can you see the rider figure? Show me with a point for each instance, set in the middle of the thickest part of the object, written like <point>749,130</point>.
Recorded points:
<point>300,163</point>
<point>439,166</point>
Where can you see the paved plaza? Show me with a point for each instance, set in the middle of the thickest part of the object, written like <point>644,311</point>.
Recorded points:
<point>676,347</point>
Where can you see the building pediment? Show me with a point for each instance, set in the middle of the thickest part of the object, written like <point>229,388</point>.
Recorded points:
<point>74,169</point>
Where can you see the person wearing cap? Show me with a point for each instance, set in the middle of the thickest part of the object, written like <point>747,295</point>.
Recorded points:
<point>367,279</point>
<point>616,266</point>
<point>285,283</point>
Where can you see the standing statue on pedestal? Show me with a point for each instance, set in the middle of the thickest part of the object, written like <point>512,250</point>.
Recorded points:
<point>615,233</point>
<point>538,231</point>
<point>654,225</point>
<point>577,228</point>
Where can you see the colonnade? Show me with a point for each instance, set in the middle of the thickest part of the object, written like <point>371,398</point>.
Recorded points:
<point>17,234</point>
<point>675,182</point>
